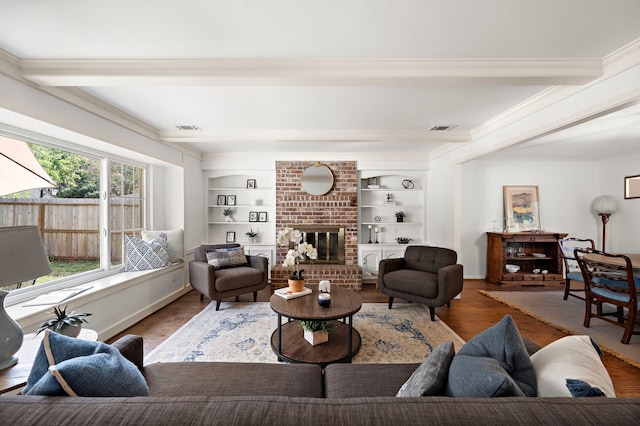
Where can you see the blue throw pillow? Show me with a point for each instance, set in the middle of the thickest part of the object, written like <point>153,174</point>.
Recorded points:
<point>75,367</point>
<point>493,363</point>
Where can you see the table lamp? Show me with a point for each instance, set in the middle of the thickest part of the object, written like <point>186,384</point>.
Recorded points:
<point>22,258</point>
<point>605,206</point>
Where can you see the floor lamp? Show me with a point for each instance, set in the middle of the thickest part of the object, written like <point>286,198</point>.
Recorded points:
<point>605,206</point>
<point>22,258</point>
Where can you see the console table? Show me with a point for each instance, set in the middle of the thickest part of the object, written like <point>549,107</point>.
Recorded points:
<point>287,340</point>
<point>530,251</point>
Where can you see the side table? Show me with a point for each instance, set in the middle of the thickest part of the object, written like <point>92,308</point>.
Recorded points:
<point>15,377</point>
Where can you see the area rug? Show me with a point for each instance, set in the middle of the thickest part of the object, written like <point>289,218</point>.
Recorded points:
<point>568,316</point>
<point>241,332</point>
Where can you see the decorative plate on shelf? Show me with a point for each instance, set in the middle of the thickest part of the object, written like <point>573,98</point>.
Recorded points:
<point>538,255</point>
<point>402,240</point>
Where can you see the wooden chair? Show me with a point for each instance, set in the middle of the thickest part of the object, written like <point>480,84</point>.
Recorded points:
<point>608,278</point>
<point>571,268</point>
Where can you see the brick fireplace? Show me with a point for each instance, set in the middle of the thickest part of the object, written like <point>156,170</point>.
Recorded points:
<point>337,209</point>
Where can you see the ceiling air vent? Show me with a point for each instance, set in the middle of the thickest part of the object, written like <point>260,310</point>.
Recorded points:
<point>192,127</point>
<point>442,128</point>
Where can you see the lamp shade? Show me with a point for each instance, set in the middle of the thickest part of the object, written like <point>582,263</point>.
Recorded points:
<point>605,204</point>
<point>22,255</point>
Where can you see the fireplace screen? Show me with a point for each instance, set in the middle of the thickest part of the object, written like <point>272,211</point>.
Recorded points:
<point>328,240</point>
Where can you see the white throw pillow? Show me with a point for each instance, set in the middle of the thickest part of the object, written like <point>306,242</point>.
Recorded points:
<point>572,357</point>
<point>175,242</point>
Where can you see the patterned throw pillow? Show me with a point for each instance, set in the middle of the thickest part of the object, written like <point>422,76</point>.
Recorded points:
<point>227,258</point>
<point>142,255</point>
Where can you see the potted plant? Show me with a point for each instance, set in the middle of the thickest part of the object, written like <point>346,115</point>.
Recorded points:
<point>400,216</point>
<point>67,323</point>
<point>227,214</point>
<point>252,235</point>
<point>292,238</point>
<point>316,332</point>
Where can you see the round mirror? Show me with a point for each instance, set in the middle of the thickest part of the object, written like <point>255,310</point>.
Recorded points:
<point>317,179</point>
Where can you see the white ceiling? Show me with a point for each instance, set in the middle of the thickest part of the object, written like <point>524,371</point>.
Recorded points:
<point>283,75</point>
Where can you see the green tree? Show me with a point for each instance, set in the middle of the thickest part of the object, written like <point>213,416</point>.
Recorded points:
<point>77,176</point>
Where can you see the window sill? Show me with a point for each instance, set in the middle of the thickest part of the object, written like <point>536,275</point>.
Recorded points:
<point>101,287</point>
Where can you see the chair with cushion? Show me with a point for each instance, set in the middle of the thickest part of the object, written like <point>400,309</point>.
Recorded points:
<point>608,278</point>
<point>426,275</point>
<point>220,271</point>
<point>571,268</point>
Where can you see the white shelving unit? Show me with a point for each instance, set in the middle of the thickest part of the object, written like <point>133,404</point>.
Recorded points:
<point>253,208</point>
<point>377,208</point>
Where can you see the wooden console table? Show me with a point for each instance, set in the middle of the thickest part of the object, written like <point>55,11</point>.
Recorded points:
<point>547,257</point>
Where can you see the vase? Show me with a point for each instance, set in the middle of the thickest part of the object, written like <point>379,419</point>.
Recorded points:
<point>228,219</point>
<point>399,219</point>
<point>316,337</point>
<point>10,336</point>
<point>296,285</point>
<point>71,330</point>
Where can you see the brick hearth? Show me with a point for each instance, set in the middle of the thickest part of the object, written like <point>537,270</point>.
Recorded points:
<point>337,208</point>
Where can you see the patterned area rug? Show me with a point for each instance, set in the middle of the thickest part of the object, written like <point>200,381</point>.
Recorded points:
<point>241,332</point>
<point>568,316</point>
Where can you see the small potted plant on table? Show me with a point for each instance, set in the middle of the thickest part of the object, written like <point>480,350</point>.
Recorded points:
<point>316,332</point>
<point>67,323</point>
<point>400,216</point>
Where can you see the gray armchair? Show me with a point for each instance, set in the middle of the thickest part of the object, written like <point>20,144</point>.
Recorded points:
<point>219,284</point>
<point>426,275</point>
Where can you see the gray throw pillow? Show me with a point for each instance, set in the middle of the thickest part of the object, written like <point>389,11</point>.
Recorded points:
<point>493,363</point>
<point>431,377</point>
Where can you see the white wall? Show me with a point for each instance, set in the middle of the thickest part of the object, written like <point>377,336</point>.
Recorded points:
<point>623,229</point>
<point>566,190</point>
<point>194,200</point>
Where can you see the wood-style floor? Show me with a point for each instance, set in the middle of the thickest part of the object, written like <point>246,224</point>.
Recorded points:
<point>467,316</point>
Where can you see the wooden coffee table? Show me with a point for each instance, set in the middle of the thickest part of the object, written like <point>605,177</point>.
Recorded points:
<point>287,340</point>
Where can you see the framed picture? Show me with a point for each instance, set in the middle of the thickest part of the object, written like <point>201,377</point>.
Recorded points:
<point>231,237</point>
<point>251,183</point>
<point>631,187</point>
<point>262,217</point>
<point>521,208</point>
<point>253,216</point>
<point>231,200</point>
<point>222,200</point>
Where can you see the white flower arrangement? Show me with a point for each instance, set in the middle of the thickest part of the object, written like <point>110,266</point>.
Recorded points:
<point>300,250</point>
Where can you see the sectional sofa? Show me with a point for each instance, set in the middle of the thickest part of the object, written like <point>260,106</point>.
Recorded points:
<point>290,394</point>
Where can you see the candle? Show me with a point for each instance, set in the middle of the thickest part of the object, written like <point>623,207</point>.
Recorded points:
<point>369,227</point>
<point>376,229</point>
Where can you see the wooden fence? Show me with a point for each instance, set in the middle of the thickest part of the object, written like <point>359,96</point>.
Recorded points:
<point>70,227</point>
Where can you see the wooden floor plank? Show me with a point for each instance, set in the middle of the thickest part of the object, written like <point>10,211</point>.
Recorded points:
<point>467,316</point>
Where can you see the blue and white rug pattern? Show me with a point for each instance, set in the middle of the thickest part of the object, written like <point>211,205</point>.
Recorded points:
<point>241,332</point>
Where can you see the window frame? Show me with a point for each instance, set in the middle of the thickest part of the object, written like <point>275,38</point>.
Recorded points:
<point>106,268</point>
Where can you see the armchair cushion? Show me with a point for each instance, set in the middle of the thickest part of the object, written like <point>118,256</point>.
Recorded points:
<point>412,281</point>
<point>227,258</point>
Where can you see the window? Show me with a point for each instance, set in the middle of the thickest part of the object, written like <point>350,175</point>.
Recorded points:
<point>82,232</point>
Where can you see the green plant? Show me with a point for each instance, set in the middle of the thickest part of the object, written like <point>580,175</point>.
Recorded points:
<point>227,212</point>
<point>251,233</point>
<point>62,320</point>
<point>400,215</point>
<point>316,325</point>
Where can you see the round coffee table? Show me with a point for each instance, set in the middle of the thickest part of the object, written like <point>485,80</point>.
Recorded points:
<point>287,340</point>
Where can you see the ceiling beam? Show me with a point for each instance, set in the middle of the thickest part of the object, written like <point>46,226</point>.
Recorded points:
<point>345,135</point>
<point>88,72</point>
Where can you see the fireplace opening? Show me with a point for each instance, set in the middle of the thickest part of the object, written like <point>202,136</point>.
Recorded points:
<point>328,240</point>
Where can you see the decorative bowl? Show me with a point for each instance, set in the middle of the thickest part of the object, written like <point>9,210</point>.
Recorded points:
<point>538,255</point>
<point>403,240</point>
<point>512,268</point>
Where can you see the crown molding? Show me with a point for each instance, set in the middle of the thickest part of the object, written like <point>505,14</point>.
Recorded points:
<point>345,135</point>
<point>88,72</point>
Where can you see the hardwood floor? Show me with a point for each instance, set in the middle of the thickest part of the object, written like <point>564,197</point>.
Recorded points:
<point>467,316</point>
